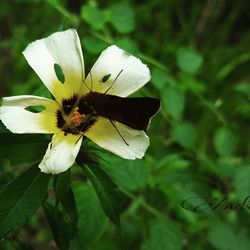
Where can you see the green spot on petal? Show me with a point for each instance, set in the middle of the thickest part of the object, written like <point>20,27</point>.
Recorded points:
<point>35,109</point>
<point>59,73</point>
<point>105,78</point>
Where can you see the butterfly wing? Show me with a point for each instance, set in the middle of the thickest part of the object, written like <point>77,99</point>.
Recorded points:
<point>133,112</point>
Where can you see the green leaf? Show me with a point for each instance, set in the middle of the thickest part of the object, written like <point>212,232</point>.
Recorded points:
<point>223,237</point>
<point>43,92</point>
<point>164,234</point>
<point>192,83</point>
<point>121,15</point>
<point>174,101</point>
<point>94,45</point>
<point>188,60</point>
<point>227,167</point>
<point>159,78</point>
<point>60,226</point>
<point>231,65</point>
<point>242,182</point>
<point>128,45</point>
<point>63,219</point>
<point>93,16</point>
<point>225,141</point>
<point>53,216</point>
<point>184,134</point>
<point>172,162</point>
<point>19,145</point>
<point>92,221</point>
<point>244,88</point>
<point>62,185</point>
<point>132,175</point>
<point>54,3</point>
<point>3,129</point>
<point>20,198</point>
<point>107,191</point>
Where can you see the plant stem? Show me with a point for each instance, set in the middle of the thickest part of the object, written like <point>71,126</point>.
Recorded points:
<point>140,200</point>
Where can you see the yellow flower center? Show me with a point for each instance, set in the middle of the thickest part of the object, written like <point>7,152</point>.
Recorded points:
<point>76,116</point>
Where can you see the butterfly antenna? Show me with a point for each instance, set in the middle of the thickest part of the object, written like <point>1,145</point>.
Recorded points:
<point>84,82</point>
<point>86,85</point>
<point>118,131</point>
<point>79,138</point>
<point>91,79</point>
<point>113,82</point>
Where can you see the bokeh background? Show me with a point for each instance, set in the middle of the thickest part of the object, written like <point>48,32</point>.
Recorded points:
<point>198,53</point>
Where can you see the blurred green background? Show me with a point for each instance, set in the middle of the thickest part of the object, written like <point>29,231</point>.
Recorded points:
<point>198,53</point>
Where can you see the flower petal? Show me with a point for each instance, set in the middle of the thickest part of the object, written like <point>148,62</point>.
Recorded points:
<point>19,120</point>
<point>62,48</point>
<point>105,135</point>
<point>116,67</point>
<point>61,153</point>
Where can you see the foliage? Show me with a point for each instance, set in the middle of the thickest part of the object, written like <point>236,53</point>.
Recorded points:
<point>191,190</point>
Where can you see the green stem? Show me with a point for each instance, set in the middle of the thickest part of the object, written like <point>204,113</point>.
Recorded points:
<point>210,106</point>
<point>140,200</point>
<point>73,18</point>
<point>154,62</point>
<point>101,37</point>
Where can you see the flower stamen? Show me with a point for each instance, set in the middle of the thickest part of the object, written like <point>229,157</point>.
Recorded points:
<point>76,118</point>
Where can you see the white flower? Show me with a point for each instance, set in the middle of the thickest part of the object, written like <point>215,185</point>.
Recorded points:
<point>63,116</point>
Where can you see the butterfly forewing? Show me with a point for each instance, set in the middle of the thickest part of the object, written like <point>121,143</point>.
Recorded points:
<point>133,112</point>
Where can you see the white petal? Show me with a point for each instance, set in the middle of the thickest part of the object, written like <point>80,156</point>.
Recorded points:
<point>105,135</point>
<point>61,153</point>
<point>61,48</point>
<point>19,120</point>
<point>133,73</point>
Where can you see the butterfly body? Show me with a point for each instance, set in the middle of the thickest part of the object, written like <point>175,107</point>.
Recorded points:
<point>81,113</point>
<point>134,112</point>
